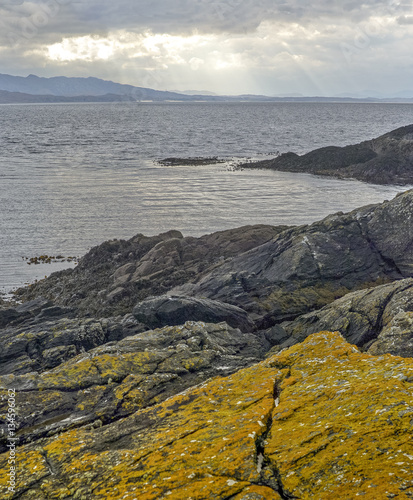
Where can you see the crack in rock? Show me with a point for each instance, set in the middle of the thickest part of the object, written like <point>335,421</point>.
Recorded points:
<point>268,471</point>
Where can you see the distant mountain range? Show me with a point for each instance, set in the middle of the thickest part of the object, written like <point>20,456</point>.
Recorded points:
<point>61,86</point>
<point>34,89</point>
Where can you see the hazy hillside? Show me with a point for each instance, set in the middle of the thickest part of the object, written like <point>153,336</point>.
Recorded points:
<point>42,89</point>
<point>63,86</point>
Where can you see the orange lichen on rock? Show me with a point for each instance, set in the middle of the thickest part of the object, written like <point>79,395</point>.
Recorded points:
<point>318,421</point>
<point>343,429</point>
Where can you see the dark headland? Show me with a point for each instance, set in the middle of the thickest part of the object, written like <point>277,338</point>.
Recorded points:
<point>263,362</point>
<point>388,159</point>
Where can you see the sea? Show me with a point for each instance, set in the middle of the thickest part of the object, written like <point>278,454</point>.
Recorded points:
<point>74,175</point>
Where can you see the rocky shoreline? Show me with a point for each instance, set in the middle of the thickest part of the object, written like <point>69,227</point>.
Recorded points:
<point>388,159</point>
<point>161,362</point>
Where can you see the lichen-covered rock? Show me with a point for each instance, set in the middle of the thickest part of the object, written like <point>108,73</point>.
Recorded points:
<point>348,417</point>
<point>114,380</point>
<point>42,343</point>
<point>378,320</point>
<point>317,421</point>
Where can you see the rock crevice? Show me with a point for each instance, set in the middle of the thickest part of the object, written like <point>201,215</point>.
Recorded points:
<point>267,469</point>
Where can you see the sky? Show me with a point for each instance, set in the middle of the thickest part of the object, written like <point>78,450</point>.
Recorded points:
<point>269,47</point>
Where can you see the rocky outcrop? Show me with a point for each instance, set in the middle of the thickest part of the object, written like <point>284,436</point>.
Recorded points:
<point>119,377</point>
<point>42,343</point>
<point>121,394</point>
<point>378,320</point>
<point>305,268</point>
<point>253,278</point>
<point>114,276</point>
<point>164,310</point>
<point>319,420</point>
<point>274,274</point>
<point>387,159</point>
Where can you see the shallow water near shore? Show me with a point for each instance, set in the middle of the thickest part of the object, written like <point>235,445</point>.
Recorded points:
<point>74,175</point>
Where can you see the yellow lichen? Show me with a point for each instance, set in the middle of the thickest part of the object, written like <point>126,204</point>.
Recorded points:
<point>320,419</point>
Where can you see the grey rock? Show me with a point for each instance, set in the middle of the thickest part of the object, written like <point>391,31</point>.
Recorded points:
<point>56,355</point>
<point>378,320</point>
<point>54,311</point>
<point>38,345</point>
<point>33,307</point>
<point>305,268</point>
<point>114,276</point>
<point>21,312</point>
<point>273,273</point>
<point>171,310</point>
<point>7,316</point>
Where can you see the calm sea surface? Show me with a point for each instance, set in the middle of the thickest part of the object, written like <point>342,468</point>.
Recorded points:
<point>74,175</point>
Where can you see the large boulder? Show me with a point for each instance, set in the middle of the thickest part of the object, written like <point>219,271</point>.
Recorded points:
<point>318,421</point>
<point>165,310</point>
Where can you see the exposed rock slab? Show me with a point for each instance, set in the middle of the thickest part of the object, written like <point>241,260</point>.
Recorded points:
<point>387,159</point>
<point>117,378</point>
<point>319,420</point>
<point>166,310</point>
<point>192,161</point>
<point>379,320</point>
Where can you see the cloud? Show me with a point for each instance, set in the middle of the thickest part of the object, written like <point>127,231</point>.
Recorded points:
<point>64,17</point>
<point>405,20</point>
<point>228,46</point>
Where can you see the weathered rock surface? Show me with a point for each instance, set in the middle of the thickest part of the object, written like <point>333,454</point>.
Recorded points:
<point>275,274</point>
<point>387,159</point>
<point>118,378</point>
<point>378,320</point>
<point>271,274</point>
<point>18,313</point>
<point>114,276</point>
<point>164,310</point>
<point>42,342</point>
<point>317,421</point>
<point>305,268</point>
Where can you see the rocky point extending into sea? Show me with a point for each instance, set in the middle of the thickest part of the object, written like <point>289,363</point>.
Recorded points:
<point>263,362</point>
<point>387,159</point>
